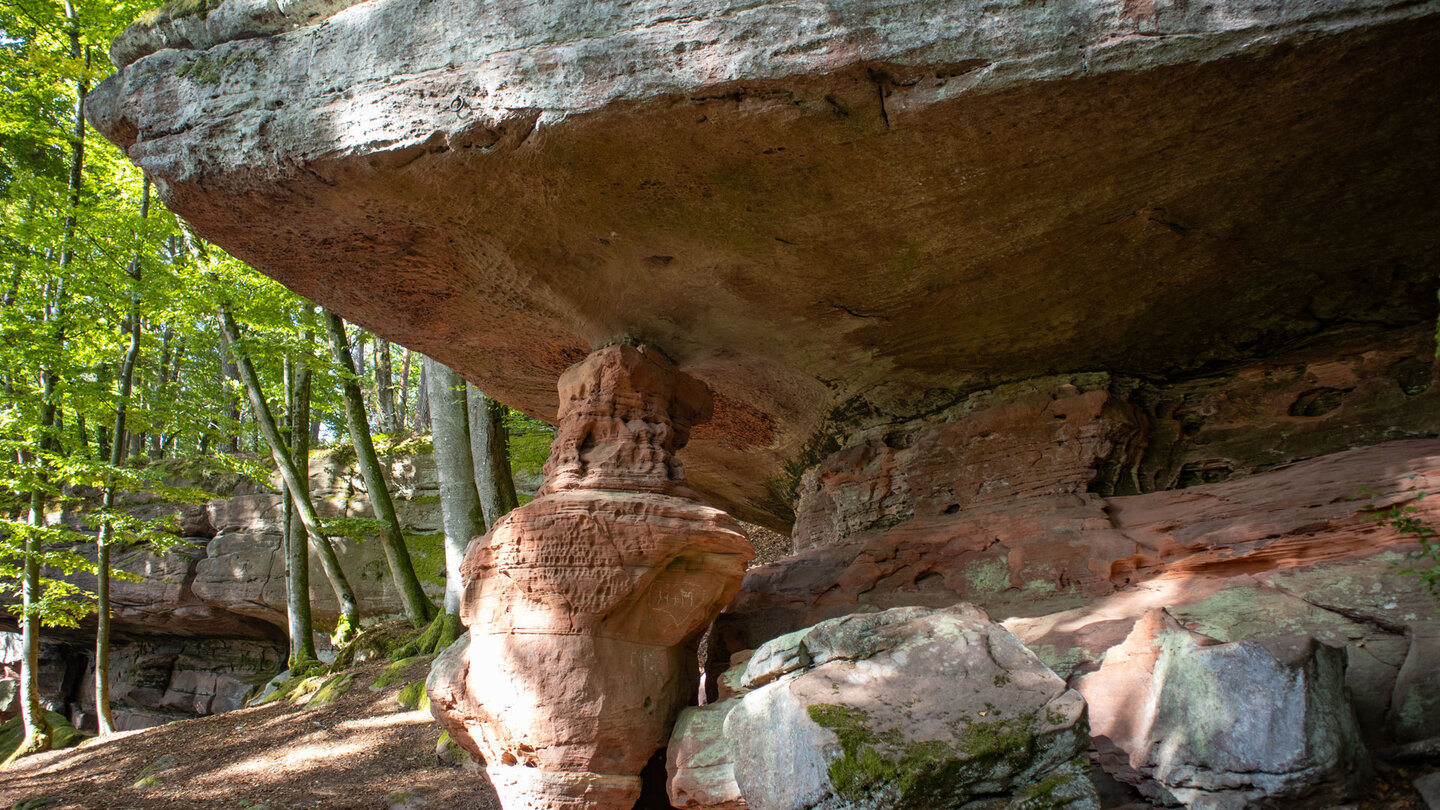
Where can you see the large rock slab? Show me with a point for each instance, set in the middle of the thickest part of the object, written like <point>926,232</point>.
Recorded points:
<point>1259,723</point>
<point>824,212</point>
<point>907,708</point>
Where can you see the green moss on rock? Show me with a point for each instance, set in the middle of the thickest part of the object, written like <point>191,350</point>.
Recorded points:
<point>414,696</point>
<point>331,690</point>
<point>396,672</point>
<point>152,774</point>
<point>62,734</point>
<point>884,767</point>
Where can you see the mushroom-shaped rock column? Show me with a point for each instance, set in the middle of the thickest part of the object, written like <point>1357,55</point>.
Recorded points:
<point>585,605</point>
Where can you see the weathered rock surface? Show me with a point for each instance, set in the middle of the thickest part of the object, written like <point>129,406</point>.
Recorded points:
<point>824,212</point>
<point>1192,721</point>
<point>205,621</point>
<point>908,708</point>
<point>1058,549</point>
<point>585,606</point>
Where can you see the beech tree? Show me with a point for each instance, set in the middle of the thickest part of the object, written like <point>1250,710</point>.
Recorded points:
<point>490,449</point>
<point>460,507</point>
<point>418,608</point>
<point>297,485</point>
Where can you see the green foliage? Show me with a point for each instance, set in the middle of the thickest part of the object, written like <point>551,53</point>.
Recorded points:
<point>529,442</point>
<point>1406,519</point>
<point>60,603</point>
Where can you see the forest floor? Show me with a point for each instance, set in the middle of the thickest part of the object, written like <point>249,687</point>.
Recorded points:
<point>361,751</point>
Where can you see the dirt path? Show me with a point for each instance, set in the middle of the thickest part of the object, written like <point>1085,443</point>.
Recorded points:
<point>362,751</point>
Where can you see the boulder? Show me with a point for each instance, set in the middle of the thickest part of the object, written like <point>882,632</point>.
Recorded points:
<point>906,708</point>
<point>1192,721</point>
<point>700,761</point>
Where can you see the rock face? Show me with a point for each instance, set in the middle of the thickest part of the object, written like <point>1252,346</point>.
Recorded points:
<point>908,708</point>
<point>585,606</point>
<point>1023,498</point>
<point>205,621</point>
<point>824,212</point>
<point>1260,723</point>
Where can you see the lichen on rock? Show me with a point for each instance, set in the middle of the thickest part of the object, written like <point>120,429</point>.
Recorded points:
<point>906,708</point>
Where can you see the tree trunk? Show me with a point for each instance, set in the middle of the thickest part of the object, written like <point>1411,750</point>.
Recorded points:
<point>459,501</point>
<point>32,714</point>
<point>104,719</point>
<point>297,553</point>
<point>404,390</point>
<point>228,371</point>
<point>422,398</point>
<point>418,608</point>
<point>157,439</point>
<point>37,729</point>
<point>489,446</point>
<point>384,387</point>
<point>305,510</point>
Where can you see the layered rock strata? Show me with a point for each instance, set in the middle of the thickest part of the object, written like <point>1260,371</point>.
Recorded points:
<point>585,606</point>
<point>200,624</point>
<point>1037,496</point>
<point>824,210</point>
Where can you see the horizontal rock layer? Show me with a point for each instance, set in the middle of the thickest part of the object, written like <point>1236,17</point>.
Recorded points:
<point>827,214</point>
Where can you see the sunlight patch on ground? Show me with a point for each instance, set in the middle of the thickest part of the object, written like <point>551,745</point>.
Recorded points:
<point>276,766</point>
<point>417,717</point>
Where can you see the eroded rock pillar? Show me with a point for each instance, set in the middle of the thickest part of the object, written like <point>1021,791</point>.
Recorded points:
<point>585,605</point>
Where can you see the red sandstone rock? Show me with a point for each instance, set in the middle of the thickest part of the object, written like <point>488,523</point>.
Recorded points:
<point>585,605</point>
<point>1035,555</point>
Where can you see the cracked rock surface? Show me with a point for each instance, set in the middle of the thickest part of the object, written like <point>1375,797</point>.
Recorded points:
<point>1257,723</point>
<point>906,708</point>
<point>825,212</point>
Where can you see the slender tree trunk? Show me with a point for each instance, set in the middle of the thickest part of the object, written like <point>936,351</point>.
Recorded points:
<point>422,398</point>
<point>104,719</point>
<point>384,386</point>
<point>297,553</point>
<point>305,510</point>
<point>32,714</point>
<point>161,380</point>
<point>489,446</point>
<point>418,608</point>
<point>459,502</point>
<point>228,371</point>
<point>460,507</point>
<point>37,729</point>
<point>404,391</point>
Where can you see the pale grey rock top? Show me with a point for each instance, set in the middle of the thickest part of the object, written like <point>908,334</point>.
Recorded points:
<point>384,74</point>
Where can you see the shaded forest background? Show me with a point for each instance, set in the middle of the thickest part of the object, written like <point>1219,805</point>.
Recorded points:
<point>127,341</point>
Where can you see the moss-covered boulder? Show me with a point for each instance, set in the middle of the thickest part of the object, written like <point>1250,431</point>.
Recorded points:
<point>62,734</point>
<point>905,708</point>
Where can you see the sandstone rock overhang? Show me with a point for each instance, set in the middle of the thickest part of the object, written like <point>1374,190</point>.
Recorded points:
<point>826,212</point>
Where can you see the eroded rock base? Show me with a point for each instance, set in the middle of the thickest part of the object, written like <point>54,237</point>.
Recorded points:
<point>585,606</point>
